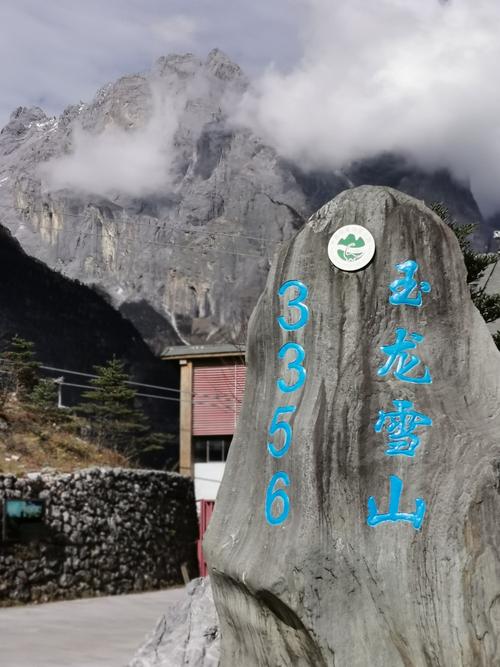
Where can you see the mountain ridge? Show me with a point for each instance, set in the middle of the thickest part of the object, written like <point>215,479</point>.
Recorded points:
<point>183,250</point>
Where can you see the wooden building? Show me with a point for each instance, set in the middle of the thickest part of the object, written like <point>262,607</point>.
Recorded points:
<point>212,380</point>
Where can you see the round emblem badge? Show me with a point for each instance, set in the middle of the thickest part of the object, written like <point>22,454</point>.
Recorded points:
<point>351,248</point>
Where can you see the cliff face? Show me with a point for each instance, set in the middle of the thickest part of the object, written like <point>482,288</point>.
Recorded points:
<point>174,213</point>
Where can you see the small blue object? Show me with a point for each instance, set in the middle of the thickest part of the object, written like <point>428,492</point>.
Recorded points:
<point>394,515</point>
<point>402,288</point>
<point>277,425</point>
<point>402,361</point>
<point>272,495</point>
<point>400,426</point>
<point>293,365</point>
<point>297,303</point>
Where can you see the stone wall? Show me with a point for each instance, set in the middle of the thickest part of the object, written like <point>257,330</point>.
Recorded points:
<point>106,531</point>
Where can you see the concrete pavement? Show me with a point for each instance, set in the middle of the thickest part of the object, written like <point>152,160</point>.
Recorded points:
<point>81,633</point>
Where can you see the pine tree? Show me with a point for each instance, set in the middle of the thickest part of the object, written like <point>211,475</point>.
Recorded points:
<point>476,264</point>
<point>22,365</point>
<point>109,406</point>
<point>44,397</point>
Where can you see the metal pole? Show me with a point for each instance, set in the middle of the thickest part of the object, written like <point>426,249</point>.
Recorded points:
<point>59,381</point>
<point>496,237</point>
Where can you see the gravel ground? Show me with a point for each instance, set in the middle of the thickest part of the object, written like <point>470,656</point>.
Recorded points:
<point>81,633</point>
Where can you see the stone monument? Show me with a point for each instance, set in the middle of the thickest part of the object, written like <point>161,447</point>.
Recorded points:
<point>357,524</point>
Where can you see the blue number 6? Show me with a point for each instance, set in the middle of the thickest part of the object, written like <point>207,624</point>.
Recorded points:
<point>272,495</point>
<point>295,303</point>
<point>293,365</point>
<point>280,426</point>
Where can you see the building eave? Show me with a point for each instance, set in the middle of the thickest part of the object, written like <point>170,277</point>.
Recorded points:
<point>177,352</point>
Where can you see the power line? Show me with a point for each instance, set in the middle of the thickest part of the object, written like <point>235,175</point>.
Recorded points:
<point>86,386</point>
<point>221,404</point>
<point>227,405</point>
<point>207,400</point>
<point>92,375</point>
<point>134,223</point>
<point>206,403</point>
<point>224,404</point>
<point>151,220</point>
<point>176,244</point>
<point>139,384</point>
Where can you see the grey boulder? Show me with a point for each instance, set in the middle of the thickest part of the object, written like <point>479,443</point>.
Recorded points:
<point>323,587</point>
<point>187,636</point>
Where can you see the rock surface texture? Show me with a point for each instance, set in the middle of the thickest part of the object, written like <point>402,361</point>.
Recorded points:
<point>323,588</point>
<point>186,255</point>
<point>106,531</point>
<point>187,635</point>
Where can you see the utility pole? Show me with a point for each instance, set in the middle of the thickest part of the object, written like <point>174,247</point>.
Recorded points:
<point>59,382</point>
<point>496,251</point>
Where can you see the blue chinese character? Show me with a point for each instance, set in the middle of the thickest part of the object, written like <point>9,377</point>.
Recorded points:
<point>401,428</point>
<point>396,487</point>
<point>403,361</point>
<point>402,288</point>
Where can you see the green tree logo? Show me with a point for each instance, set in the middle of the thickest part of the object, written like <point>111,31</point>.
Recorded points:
<point>353,248</point>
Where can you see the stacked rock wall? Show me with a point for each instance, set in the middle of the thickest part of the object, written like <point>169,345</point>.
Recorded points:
<point>105,531</point>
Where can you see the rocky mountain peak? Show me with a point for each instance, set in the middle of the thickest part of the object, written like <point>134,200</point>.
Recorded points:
<point>28,114</point>
<point>184,65</point>
<point>221,66</point>
<point>150,194</point>
<point>22,119</point>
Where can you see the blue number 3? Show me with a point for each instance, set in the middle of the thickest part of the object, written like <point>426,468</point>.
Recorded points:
<point>293,365</point>
<point>295,303</point>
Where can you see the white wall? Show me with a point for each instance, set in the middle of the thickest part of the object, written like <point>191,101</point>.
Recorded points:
<point>204,473</point>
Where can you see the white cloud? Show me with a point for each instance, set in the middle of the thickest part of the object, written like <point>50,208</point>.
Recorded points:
<point>414,76</point>
<point>176,31</point>
<point>419,78</point>
<point>134,162</point>
<point>56,53</point>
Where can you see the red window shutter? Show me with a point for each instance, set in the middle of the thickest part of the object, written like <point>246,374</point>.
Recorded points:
<point>217,396</point>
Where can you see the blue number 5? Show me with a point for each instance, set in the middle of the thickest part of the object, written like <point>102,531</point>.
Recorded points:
<point>293,365</point>
<point>295,303</point>
<point>280,426</point>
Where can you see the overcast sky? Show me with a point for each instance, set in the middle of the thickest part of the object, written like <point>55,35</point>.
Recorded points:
<point>333,80</point>
<point>57,52</point>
